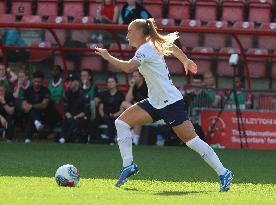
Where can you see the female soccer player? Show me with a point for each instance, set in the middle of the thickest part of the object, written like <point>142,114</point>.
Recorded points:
<point>164,102</point>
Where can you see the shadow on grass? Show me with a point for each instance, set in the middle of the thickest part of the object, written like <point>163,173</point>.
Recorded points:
<point>180,193</point>
<point>172,193</point>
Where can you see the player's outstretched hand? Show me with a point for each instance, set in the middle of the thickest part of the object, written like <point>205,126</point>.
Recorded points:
<point>190,66</point>
<point>102,52</point>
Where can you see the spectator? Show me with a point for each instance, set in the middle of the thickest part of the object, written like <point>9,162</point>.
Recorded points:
<point>12,37</point>
<point>210,89</point>
<point>137,91</point>
<point>36,105</point>
<point>110,106</point>
<point>77,112</point>
<point>7,77</point>
<point>107,12</point>
<point>56,88</point>
<point>131,11</point>
<point>196,98</point>
<point>90,88</point>
<point>244,98</point>
<point>23,83</point>
<point>7,110</point>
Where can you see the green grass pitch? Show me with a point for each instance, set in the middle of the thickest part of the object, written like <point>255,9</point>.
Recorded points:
<point>168,175</point>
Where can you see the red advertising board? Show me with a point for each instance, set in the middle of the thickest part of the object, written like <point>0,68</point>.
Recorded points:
<point>260,128</point>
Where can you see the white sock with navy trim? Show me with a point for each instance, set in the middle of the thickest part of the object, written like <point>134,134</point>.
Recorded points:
<point>124,141</point>
<point>207,153</point>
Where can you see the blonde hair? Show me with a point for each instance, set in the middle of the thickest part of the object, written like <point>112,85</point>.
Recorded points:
<point>163,43</point>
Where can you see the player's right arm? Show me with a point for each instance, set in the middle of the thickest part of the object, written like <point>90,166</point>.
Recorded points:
<point>126,66</point>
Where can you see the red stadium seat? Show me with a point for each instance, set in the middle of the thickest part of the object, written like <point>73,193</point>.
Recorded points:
<point>40,55</point>
<point>246,40</point>
<point>2,6</point>
<point>93,5</point>
<point>174,65</point>
<point>7,18</point>
<point>73,8</point>
<point>223,67</point>
<point>20,8</point>
<point>206,10</point>
<point>179,9</point>
<point>124,47</point>
<point>267,42</point>
<point>260,11</point>
<point>204,63</point>
<point>154,7</point>
<point>92,62</point>
<point>47,7</point>
<point>121,3</point>
<point>233,10</point>
<point>58,61</point>
<point>82,35</point>
<point>190,40</point>
<point>61,34</point>
<point>215,40</point>
<point>267,102</point>
<point>164,22</point>
<point>31,19</point>
<point>257,66</point>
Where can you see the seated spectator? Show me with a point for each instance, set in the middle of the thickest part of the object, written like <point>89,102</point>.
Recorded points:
<point>107,12</point>
<point>77,112</point>
<point>244,98</point>
<point>131,11</point>
<point>196,98</point>
<point>110,106</point>
<point>7,77</point>
<point>138,91</point>
<point>89,87</point>
<point>36,105</point>
<point>23,83</point>
<point>7,110</point>
<point>12,37</point>
<point>56,88</point>
<point>210,89</point>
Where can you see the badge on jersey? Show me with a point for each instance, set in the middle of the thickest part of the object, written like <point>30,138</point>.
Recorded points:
<point>140,57</point>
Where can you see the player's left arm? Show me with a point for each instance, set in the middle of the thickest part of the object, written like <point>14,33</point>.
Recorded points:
<point>126,66</point>
<point>189,65</point>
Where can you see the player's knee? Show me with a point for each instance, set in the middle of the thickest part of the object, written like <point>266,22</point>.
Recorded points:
<point>123,130</point>
<point>121,125</point>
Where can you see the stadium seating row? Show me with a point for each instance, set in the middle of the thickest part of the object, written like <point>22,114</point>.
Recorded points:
<point>189,40</point>
<point>226,10</point>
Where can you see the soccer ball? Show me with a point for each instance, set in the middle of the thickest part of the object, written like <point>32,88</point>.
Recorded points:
<point>67,175</point>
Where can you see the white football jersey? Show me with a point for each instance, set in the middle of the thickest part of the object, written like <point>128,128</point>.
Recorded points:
<point>161,90</point>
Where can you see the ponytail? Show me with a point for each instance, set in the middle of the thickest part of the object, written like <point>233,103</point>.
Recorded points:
<point>163,43</point>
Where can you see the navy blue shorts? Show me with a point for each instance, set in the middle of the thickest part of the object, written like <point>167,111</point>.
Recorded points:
<point>173,114</point>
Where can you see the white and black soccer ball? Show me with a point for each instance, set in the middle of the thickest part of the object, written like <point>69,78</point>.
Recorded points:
<point>67,175</point>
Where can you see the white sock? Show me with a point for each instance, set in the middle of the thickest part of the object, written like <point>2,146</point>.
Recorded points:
<point>124,141</point>
<point>207,153</point>
<point>135,138</point>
